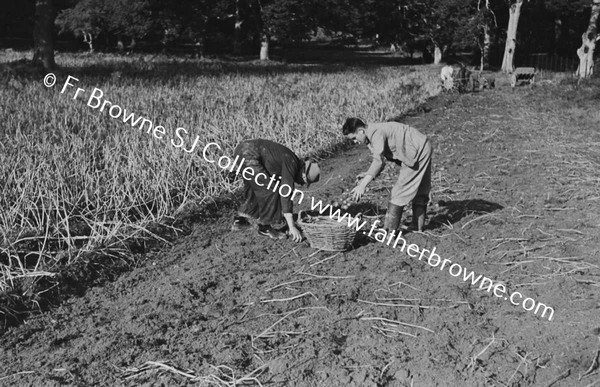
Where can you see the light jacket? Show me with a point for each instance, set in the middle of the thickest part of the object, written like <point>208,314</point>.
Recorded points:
<point>393,141</point>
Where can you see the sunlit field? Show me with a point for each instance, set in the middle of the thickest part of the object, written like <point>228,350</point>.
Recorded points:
<point>74,180</point>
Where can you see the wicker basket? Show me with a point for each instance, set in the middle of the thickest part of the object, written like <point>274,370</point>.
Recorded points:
<point>325,233</point>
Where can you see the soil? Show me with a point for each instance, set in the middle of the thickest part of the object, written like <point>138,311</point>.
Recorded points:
<point>515,198</point>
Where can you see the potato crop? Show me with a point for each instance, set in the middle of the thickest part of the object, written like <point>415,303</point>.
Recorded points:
<point>344,201</point>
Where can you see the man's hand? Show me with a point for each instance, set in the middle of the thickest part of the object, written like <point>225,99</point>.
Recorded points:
<point>358,192</point>
<point>360,189</point>
<point>295,233</point>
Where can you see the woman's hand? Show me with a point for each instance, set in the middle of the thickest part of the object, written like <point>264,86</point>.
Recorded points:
<point>292,229</point>
<point>295,233</point>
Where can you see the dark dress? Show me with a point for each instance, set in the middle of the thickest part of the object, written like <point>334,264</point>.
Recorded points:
<point>274,160</point>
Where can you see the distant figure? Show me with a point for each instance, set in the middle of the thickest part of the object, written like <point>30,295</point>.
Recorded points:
<point>446,75</point>
<point>463,79</point>
<point>393,48</point>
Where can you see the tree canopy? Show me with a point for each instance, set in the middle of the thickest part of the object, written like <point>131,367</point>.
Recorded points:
<point>435,27</point>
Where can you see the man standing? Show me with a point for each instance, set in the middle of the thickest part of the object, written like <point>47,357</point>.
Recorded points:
<point>403,145</point>
<point>277,163</point>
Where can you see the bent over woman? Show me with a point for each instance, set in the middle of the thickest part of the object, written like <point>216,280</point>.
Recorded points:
<point>273,165</point>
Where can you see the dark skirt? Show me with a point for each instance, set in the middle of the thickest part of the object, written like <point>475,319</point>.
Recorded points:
<point>259,202</point>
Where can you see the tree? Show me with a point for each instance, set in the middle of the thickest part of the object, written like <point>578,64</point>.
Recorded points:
<point>514,12</point>
<point>86,20</point>
<point>15,18</point>
<point>487,20</point>
<point>564,15</point>
<point>120,18</point>
<point>342,16</point>
<point>588,44</point>
<point>43,34</point>
<point>377,18</point>
<point>284,21</point>
<point>438,21</point>
<point>127,19</point>
<point>266,14</point>
<point>237,32</point>
<point>478,30</point>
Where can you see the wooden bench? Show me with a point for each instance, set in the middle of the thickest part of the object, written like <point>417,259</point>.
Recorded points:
<point>522,74</point>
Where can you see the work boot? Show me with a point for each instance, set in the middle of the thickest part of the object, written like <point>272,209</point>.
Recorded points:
<point>393,216</point>
<point>418,217</point>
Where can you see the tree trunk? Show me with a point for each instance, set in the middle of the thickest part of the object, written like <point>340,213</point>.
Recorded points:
<point>200,45</point>
<point>588,44</point>
<point>437,54</point>
<point>511,37</point>
<point>237,32</point>
<point>87,38</point>
<point>264,47</point>
<point>43,34</point>
<point>558,25</point>
<point>485,48</point>
<point>481,59</point>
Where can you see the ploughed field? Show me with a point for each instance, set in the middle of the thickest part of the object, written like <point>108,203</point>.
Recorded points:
<point>104,163</point>
<point>515,198</point>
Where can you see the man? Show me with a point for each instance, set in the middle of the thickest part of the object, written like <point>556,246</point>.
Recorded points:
<point>403,145</point>
<point>275,167</point>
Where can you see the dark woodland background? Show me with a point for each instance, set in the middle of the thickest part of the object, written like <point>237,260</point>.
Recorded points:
<point>549,31</point>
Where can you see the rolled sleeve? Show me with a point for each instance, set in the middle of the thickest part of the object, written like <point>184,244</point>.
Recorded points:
<point>287,207</point>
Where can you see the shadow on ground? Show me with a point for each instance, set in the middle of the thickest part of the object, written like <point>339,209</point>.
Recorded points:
<point>453,211</point>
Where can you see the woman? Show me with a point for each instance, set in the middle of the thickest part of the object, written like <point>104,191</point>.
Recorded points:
<point>406,146</point>
<point>273,166</point>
